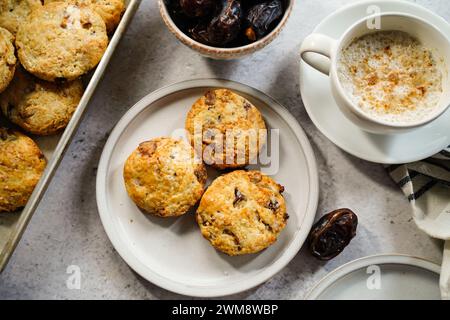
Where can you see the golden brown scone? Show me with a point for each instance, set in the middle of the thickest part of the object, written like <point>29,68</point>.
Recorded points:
<point>61,41</point>
<point>242,212</point>
<point>38,106</point>
<point>221,112</point>
<point>15,12</point>
<point>21,167</point>
<point>110,10</point>
<point>163,179</point>
<point>8,59</point>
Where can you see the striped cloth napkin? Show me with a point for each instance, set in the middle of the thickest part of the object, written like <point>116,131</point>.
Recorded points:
<point>426,184</point>
<point>418,178</point>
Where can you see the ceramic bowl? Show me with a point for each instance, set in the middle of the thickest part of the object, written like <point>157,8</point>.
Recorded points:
<point>224,53</point>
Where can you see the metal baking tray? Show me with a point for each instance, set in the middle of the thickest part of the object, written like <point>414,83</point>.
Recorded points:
<point>12,225</point>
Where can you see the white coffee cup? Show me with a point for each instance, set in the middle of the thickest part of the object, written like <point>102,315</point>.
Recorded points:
<point>323,53</point>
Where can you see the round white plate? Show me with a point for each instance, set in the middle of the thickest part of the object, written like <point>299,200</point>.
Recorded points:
<point>172,253</point>
<point>381,277</point>
<point>323,111</point>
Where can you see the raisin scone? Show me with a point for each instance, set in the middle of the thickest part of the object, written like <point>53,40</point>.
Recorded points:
<point>13,13</point>
<point>226,128</point>
<point>110,10</point>
<point>8,60</point>
<point>61,41</point>
<point>40,107</point>
<point>163,177</point>
<point>21,166</point>
<point>242,212</point>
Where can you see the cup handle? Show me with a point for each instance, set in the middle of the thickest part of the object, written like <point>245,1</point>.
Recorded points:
<point>445,272</point>
<point>318,44</point>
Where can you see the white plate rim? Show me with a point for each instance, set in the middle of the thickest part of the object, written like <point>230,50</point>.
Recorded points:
<point>237,287</point>
<point>325,132</point>
<point>379,259</point>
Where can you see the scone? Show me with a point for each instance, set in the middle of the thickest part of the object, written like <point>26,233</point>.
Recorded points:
<point>13,13</point>
<point>163,177</point>
<point>61,41</point>
<point>8,59</point>
<point>21,167</point>
<point>242,212</point>
<point>226,128</point>
<point>110,10</point>
<point>38,106</point>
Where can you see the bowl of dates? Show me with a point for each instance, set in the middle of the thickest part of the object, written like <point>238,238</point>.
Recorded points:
<point>225,29</point>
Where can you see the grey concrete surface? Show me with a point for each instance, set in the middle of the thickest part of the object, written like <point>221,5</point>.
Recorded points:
<point>66,229</point>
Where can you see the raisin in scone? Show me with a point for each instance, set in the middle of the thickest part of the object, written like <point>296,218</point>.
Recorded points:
<point>38,106</point>
<point>110,10</point>
<point>242,212</point>
<point>226,128</point>
<point>21,166</point>
<point>13,13</point>
<point>61,41</point>
<point>8,59</point>
<point>163,177</point>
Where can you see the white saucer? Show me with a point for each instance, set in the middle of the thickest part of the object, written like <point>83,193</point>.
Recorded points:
<point>381,277</point>
<point>172,253</point>
<point>323,111</point>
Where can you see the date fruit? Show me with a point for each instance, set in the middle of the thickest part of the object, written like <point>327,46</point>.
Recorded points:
<point>261,18</point>
<point>332,233</point>
<point>199,33</point>
<point>177,14</point>
<point>225,27</point>
<point>226,23</point>
<point>198,8</point>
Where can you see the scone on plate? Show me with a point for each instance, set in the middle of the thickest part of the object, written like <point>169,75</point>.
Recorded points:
<point>13,13</point>
<point>110,10</point>
<point>8,59</point>
<point>61,41</point>
<point>242,212</point>
<point>38,106</point>
<point>226,128</point>
<point>21,166</point>
<point>163,177</point>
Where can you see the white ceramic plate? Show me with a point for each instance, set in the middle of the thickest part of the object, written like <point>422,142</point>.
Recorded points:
<point>323,111</point>
<point>171,253</point>
<point>400,278</point>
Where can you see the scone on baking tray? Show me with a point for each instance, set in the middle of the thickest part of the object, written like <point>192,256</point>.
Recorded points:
<point>110,10</point>
<point>37,106</point>
<point>222,113</point>
<point>163,177</point>
<point>21,166</point>
<point>242,212</point>
<point>56,43</point>
<point>8,59</point>
<point>15,12</point>
<point>61,41</point>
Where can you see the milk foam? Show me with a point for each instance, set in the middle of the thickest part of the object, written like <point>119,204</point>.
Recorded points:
<point>391,76</point>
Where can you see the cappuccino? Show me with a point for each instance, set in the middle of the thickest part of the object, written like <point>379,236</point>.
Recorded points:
<point>391,77</point>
